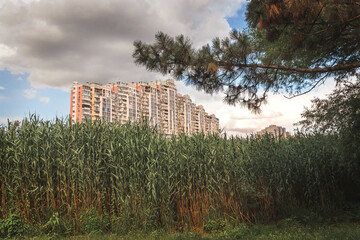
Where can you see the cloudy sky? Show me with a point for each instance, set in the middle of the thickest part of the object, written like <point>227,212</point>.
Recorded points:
<point>45,45</point>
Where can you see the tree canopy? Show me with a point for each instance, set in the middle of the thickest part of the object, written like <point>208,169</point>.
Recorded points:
<point>339,113</point>
<point>290,46</point>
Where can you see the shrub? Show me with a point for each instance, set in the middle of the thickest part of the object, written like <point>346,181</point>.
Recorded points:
<point>91,222</point>
<point>56,226</point>
<point>12,227</point>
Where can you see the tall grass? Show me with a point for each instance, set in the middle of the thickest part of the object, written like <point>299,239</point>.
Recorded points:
<point>133,173</point>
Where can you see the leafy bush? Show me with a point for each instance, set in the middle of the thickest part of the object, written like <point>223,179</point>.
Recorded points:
<point>237,233</point>
<point>56,226</point>
<point>91,222</point>
<point>12,227</point>
<point>215,226</point>
<point>151,220</point>
<point>124,224</point>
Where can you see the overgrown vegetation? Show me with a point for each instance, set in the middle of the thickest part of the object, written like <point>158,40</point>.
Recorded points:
<point>292,230</point>
<point>64,179</point>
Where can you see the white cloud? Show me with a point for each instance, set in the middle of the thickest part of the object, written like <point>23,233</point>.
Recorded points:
<point>6,51</point>
<point>2,97</point>
<point>30,93</point>
<point>61,41</point>
<point>240,121</point>
<point>2,88</point>
<point>45,99</point>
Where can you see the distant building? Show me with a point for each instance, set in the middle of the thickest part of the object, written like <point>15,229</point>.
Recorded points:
<point>211,123</point>
<point>157,101</point>
<point>275,131</point>
<point>198,118</point>
<point>184,113</point>
<point>92,101</point>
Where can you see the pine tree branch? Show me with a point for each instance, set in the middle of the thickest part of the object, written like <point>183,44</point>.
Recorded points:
<point>339,67</point>
<point>309,90</point>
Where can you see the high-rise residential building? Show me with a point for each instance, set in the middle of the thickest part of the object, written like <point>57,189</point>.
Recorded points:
<point>184,110</point>
<point>156,102</point>
<point>198,118</point>
<point>150,99</point>
<point>93,101</point>
<point>128,102</point>
<point>211,123</point>
<point>168,107</point>
<point>215,124</point>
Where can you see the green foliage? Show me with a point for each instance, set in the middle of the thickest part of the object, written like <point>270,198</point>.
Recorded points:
<point>289,222</point>
<point>125,224</point>
<point>120,227</point>
<point>239,232</point>
<point>151,220</point>
<point>315,28</point>
<point>56,226</point>
<point>188,236</point>
<point>12,227</point>
<point>105,177</point>
<point>33,230</point>
<point>340,114</point>
<point>91,222</point>
<point>3,233</point>
<point>243,232</point>
<point>215,226</point>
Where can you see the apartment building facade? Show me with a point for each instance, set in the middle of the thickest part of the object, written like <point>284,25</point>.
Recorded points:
<point>184,112</point>
<point>93,101</point>
<point>158,102</point>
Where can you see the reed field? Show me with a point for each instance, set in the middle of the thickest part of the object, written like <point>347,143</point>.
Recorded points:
<point>123,177</point>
